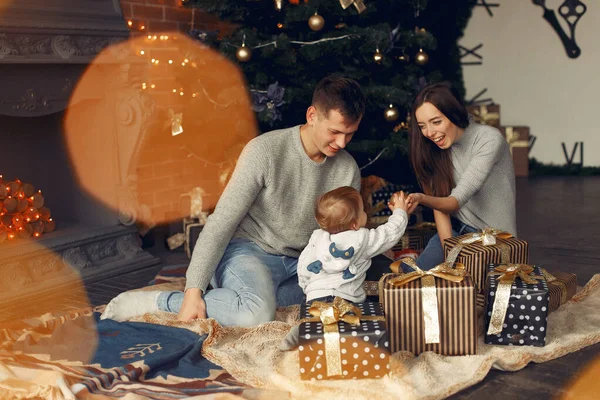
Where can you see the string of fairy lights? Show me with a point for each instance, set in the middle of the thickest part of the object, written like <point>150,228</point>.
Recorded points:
<point>244,52</point>
<point>22,211</point>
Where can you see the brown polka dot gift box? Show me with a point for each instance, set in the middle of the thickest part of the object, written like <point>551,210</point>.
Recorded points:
<point>342,340</point>
<point>517,305</point>
<point>479,249</point>
<point>431,310</point>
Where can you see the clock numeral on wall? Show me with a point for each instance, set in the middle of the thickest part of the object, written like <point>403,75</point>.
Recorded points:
<point>570,159</point>
<point>488,6</point>
<point>466,52</point>
<point>475,100</point>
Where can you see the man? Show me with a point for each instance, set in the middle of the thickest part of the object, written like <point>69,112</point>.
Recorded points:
<point>249,247</point>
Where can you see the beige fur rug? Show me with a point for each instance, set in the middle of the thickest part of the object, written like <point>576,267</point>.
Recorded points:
<point>252,356</point>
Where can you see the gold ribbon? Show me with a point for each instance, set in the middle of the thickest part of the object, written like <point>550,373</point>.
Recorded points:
<point>487,237</point>
<point>508,273</point>
<point>425,225</point>
<point>175,241</point>
<point>429,291</point>
<point>175,121</point>
<point>329,314</point>
<point>512,137</point>
<point>555,281</point>
<point>485,116</point>
<point>360,6</point>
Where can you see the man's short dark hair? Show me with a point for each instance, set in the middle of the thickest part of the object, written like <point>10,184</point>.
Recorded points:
<point>341,94</point>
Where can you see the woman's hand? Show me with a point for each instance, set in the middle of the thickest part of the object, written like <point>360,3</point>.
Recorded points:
<point>413,199</point>
<point>193,306</point>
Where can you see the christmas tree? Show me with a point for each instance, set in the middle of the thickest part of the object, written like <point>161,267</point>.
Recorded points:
<point>391,47</point>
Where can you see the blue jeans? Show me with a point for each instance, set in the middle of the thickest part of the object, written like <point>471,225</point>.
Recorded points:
<point>249,284</point>
<point>433,254</point>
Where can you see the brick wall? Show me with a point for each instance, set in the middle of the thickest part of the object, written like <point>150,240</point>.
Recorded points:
<point>155,16</point>
<point>164,170</point>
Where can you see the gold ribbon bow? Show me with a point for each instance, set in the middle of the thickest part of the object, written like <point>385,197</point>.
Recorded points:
<point>360,6</point>
<point>512,137</point>
<point>429,291</point>
<point>175,121</point>
<point>330,314</point>
<point>487,237</point>
<point>484,116</point>
<point>554,280</point>
<point>508,273</point>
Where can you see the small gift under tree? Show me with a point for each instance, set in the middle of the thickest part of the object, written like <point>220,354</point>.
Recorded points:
<point>518,142</point>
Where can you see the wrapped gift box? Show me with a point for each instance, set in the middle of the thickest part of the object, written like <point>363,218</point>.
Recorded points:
<point>562,286</point>
<point>518,141</point>
<point>407,321</point>
<point>522,321</point>
<point>376,193</point>
<point>477,257</point>
<point>416,237</point>
<point>192,228</point>
<point>486,114</point>
<point>355,351</point>
<point>380,265</point>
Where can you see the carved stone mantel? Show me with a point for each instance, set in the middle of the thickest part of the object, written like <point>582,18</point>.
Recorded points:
<point>45,45</point>
<point>83,254</point>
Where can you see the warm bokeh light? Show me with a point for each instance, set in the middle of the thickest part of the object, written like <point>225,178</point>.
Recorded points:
<point>153,118</point>
<point>44,284</point>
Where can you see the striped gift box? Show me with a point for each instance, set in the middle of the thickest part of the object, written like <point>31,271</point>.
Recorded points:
<point>476,257</point>
<point>416,237</point>
<point>403,308</point>
<point>562,286</point>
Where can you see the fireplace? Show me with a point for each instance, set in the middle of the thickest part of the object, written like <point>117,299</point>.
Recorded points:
<point>45,47</point>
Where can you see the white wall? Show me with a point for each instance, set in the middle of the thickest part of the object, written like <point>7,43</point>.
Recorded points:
<point>527,71</point>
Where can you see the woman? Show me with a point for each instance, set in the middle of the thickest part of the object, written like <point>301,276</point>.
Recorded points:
<point>465,170</point>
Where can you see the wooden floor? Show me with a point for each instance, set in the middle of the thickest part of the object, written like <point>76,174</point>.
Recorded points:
<point>558,216</point>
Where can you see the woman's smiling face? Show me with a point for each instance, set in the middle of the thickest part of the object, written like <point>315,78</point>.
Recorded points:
<point>435,126</point>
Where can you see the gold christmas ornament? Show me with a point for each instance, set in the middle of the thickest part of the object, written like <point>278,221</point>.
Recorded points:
<point>404,58</point>
<point>243,53</point>
<point>316,22</point>
<point>377,56</point>
<point>391,113</point>
<point>421,57</point>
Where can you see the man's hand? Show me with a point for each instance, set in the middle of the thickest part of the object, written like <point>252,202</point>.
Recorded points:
<point>193,306</point>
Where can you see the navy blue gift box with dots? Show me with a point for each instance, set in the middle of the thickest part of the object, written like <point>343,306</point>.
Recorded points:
<point>364,349</point>
<point>526,318</point>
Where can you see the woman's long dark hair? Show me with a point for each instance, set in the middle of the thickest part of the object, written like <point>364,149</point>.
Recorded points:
<point>432,165</point>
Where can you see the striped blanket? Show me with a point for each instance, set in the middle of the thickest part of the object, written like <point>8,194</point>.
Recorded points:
<point>76,355</point>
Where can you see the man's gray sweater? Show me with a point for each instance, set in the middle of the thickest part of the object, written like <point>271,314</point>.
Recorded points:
<point>270,200</point>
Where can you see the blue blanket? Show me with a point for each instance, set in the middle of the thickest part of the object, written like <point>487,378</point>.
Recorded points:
<point>117,358</point>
